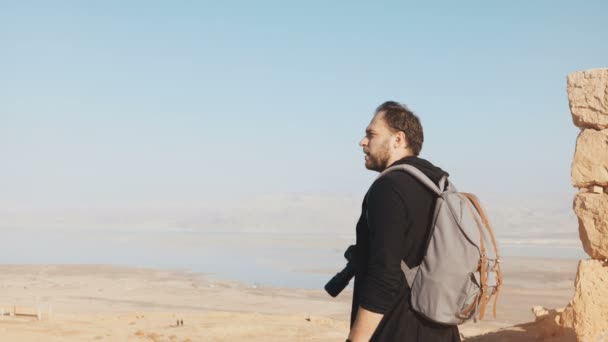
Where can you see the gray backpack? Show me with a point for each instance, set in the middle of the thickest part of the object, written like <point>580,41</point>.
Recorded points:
<point>460,271</point>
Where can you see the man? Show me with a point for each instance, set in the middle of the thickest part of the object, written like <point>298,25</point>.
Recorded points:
<point>394,226</point>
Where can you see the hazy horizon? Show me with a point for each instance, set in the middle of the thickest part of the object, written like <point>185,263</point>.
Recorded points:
<point>264,240</point>
<point>223,137</point>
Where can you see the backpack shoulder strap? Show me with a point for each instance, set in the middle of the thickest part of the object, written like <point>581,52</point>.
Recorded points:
<point>410,273</point>
<point>419,175</point>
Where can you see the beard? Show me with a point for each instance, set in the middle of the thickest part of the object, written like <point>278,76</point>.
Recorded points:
<point>377,159</point>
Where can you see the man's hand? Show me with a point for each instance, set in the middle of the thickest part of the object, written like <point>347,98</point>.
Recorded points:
<point>366,323</point>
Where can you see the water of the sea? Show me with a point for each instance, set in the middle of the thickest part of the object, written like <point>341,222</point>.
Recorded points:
<point>255,259</point>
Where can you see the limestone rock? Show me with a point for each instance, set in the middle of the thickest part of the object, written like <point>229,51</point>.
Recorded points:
<point>566,318</point>
<point>590,164</point>
<point>592,212</point>
<point>551,324</point>
<point>540,312</point>
<point>590,303</point>
<point>588,95</point>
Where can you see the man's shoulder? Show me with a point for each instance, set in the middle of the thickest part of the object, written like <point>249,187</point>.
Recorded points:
<point>394,179</point>
<point>393,183</point>
<point>400,184</point>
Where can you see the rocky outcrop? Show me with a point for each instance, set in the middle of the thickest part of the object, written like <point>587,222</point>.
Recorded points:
<point>592,211</point>
<point>590,303</point>
<point>590,164</point>
<point>586,317</point>
<point>588,97</point>
<point>588,310</point>
<point>553,323</point>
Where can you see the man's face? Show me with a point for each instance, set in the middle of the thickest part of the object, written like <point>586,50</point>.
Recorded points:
<point>377,144</point>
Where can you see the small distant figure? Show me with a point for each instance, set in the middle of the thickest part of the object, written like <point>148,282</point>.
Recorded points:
<point>177,323</point>
<point>181,322</point>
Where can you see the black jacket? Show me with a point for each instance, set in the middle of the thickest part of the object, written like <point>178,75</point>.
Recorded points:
<point>394,225</point>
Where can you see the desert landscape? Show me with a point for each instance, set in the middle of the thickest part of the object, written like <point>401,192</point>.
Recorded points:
<point>263,282</point>
<point>194,171</point>
<point>112,303</point>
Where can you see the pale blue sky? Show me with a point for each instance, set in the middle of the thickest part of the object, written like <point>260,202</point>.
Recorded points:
<point>179,100</point>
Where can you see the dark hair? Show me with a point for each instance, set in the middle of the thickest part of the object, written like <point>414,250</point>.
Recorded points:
<point>400,118</point>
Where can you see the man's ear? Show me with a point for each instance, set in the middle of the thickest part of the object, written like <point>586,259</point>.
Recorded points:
<point>401,139</point>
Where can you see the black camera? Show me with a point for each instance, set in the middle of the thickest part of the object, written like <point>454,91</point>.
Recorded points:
<point>336,284</point>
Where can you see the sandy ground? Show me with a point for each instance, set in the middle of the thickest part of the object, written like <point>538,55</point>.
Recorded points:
<point>112,303</point>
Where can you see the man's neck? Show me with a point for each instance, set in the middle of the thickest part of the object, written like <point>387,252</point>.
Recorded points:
<point>393,159</point>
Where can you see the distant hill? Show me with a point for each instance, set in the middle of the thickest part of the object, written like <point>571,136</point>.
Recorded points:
<point>516,217</point>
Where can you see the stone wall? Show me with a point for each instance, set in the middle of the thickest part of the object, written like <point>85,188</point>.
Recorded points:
<point>588,97</point>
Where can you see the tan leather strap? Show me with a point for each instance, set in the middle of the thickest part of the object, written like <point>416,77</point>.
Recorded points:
<point>495,300</point>
<point>496,268</point>
<point>466,312</point>
<point>482,263</point>
<point>498,284</point>
<point>484,292</point>
<point>484,218</point>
